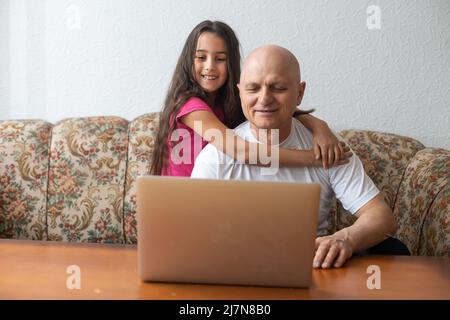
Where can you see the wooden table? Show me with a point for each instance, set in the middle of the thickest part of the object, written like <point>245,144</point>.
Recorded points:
<point>37,270</point>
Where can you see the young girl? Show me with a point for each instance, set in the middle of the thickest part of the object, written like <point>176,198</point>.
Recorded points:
<point>204,91</point>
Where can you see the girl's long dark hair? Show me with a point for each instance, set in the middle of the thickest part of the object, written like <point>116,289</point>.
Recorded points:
<point>183,86</point>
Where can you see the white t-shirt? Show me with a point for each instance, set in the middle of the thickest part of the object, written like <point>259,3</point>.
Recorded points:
<point>349,182</point>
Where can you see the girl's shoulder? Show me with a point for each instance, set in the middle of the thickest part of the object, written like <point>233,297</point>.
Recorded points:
<point>193,104</point>
<point>195,101</point>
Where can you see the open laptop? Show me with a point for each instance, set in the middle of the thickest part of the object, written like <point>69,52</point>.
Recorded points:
<point>226,231</point>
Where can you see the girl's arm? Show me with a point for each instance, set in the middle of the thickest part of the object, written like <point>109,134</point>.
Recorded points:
<point>215,132</point>
<point>326,146</point>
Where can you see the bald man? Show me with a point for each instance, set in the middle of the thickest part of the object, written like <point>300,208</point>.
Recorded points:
<point>270,89</point>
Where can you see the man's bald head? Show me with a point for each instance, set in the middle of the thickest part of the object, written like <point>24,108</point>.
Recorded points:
<point>273,54</point>
<point>270,88</point>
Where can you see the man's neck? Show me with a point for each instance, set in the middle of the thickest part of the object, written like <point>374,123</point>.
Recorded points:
<point>270,136</point>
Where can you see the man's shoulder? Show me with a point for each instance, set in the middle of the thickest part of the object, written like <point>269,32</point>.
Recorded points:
<point>207,152</point>
<point>208,162</point>
<point>299,138</point>
<point>299,127</point>
<point>212,155</point>
<point>242,129</point>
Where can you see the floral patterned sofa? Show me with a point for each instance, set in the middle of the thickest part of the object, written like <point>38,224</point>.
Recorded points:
<point>75,181</point>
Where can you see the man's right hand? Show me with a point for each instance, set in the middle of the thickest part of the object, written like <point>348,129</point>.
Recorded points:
<point>331,251</point>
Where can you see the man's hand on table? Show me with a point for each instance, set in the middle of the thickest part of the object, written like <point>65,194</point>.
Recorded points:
<point>331,251</point>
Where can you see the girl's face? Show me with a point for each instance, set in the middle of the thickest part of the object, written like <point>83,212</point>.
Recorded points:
<point>210,62</point>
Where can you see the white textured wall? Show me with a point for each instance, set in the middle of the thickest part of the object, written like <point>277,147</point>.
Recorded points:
<point>4,59</point>
<point>117,59</point>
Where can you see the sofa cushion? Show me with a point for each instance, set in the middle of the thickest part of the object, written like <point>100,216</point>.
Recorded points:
<point>385,157</point>
<point>24,157</point>
<point>421,210</point>
<point>142,134</point>
<point>86,179</point>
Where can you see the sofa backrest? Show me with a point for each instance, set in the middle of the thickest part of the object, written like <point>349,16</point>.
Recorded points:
<point>88,160</point>
<point>75,180</point>
<point>24,158</point>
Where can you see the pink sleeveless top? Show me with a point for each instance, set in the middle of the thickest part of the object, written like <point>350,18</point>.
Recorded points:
<point>183,154</point>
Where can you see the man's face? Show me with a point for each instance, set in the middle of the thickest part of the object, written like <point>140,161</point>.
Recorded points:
<point>270,92</point>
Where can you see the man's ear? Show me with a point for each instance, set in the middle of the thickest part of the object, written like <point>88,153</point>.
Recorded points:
<point>239,87</point>
<point>301,92</point>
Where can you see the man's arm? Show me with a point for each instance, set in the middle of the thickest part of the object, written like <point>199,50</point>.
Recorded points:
<point>375,222</point>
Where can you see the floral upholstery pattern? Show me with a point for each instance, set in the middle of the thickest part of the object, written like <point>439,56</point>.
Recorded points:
<point>24,159</point>
<point>385,157</point>
<point>422,208</point>
<point>436,228</point>
<point>142,134</point>
<point>86,179</point>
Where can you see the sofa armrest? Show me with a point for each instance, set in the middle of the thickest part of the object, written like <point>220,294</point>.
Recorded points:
<point>385,157</point>
<point>422,204</point>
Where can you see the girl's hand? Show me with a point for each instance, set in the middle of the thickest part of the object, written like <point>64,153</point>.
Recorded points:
<point>317,162</point>
<point>328,148</point>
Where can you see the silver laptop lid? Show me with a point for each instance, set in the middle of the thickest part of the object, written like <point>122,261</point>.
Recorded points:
<point>226,231</point>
